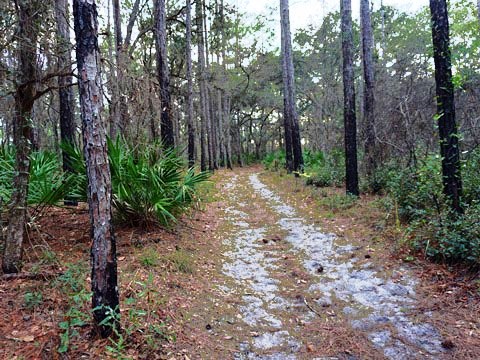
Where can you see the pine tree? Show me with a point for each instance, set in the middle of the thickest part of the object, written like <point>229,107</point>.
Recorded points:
<point>350,122</point>
<point>447,127</point>
<point>103,251</point>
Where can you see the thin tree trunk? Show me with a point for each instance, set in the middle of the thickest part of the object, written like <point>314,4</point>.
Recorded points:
<point>103,252</point>
<point>226,98</point>
<point>368,98</point>
<point>121,104</point>
<point>114,114</point>
<point>220,133</point>
<point>204,156</point>
<point>290,111</point>
<point>447,127</point>
<point>210,131</point>
<point>349,116</point>
<point>166,124</point>
<point>65,92</point>
<point>286,99</point>
<point>384,46</point>
<point>190,124</point>
<point>28,18</point>
<point>228,131</point>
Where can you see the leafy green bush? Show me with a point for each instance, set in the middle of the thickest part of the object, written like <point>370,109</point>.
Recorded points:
<point>148,185</point>
<point>275,160</point>
<point>471,178</point>
<point>313,158</point>
<point>48,185</point>
<point>324,170</point>
<point>419,201</point>
<point>450,238</point>
<point>417,191</point>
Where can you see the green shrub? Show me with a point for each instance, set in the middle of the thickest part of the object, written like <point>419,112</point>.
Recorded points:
<point>471,178</point>
<point>313,158</point>
<point>48,185</point>
<point>338,202</point>
<point>33,299</point>
<point>324,170</point>
<point>419,201</point>
<point>148,185</point>
<point>417,191</point>
<point>450,238</point>
<point>275,160</point>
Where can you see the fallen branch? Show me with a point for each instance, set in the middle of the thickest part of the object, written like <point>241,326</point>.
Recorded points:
<point>311,308</point>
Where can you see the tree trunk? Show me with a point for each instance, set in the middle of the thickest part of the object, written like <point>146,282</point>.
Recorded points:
<point>349,116</point>
<point>103,252</point>
<point>190,124</point>
<point>210,130</point>
<point>228,132</point>
<point>292,130</point>
<point>28,19</point>
<point>204,156</point>
<point>226,97</point>
<point>166,124</point>
<point>65,91</point>
<point>368,90</point>
<point>121,103</point>
<point>447,127</point>
<point>286,117</point>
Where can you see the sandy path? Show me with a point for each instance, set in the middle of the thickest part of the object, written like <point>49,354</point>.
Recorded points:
<point>263,234</point>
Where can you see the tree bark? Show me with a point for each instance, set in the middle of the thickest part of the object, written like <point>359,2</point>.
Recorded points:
<point>349,116</point>
<point>447,127</point>
<point>190,124</point>
<point>28,23</point>
<point>103,251</point>
<point>65,91</point>
<point>292,130</point>
<point>368,89</point>
<point>166,123</point>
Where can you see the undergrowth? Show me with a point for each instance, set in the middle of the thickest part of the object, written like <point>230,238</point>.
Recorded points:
<point>149,185</point>
<point>416,199</point>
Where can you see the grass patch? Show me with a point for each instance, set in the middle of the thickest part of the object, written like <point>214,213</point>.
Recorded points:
<point>180,261</point>
<point>337,202</point>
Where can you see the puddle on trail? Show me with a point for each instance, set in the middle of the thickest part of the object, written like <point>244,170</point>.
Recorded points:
<point>371,301</point>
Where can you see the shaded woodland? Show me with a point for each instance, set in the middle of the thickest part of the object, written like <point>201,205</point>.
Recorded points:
<point>127,108</point>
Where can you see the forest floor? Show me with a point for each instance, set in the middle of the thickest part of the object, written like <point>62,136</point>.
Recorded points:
<point>267,269</point>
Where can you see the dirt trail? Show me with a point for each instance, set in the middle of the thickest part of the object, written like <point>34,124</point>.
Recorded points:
<point>293,290</point>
